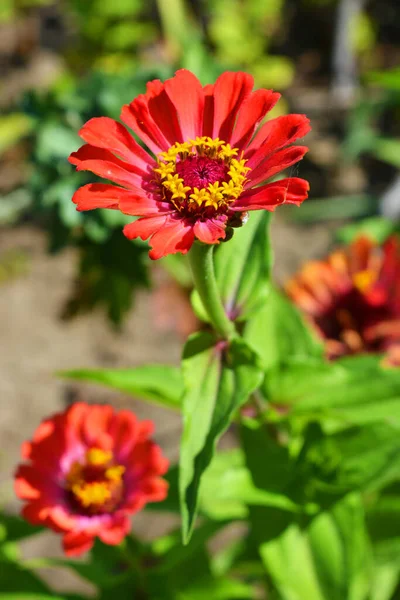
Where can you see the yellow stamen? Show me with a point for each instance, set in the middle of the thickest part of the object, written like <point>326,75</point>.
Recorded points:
<point>98,457</point>
<point>95,494</point>
<point>364,280</point>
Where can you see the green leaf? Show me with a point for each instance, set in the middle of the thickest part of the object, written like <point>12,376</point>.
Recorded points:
<point>387,150</point>
<point>15,528</point>
<point>28,595</point>
<point>228,489</point>
<point>218,589</point>
<point>217,382</point>
<point>242,268</point>
<point>341,550</point>
<point>18,582</point>
<point>278,333</point>
<point>329,560</point>
<point>385,583</point>
<point>388,79</point>
<point>383,519</point>
<point>353,390</point>
<point>13,128</point>
<point>161,384</point>
<point>180,567</point>
<point>364,457</point>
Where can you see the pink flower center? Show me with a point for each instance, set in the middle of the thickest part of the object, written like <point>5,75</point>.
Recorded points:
<point>96,486</point>
<point>200,171</point>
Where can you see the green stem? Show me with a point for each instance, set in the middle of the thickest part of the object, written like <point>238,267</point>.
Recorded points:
<point>202,265</point>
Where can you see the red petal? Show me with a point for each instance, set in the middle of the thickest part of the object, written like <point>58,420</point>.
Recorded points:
<point>103,163</point>
<point>108,134</point>
<point>210,231</point>
<point>98,195</point>
<point>279,161</point>
<point>124,431</point>
<point>144,227</point>
<point>252,111</point>
<point>163,111</point>
<point>138,117</point>
<point>274,135</point>
<point>174,236</point>
<point>60,520</point>
<point>140,206</point>
<point>116,533</point>
<point>230,90</point>
<point>186,93</point>
<point>292,190</point>
<point>35,513</point>
<point>96,425</point>
<point>155,489</point>
<point>146,429</point>
<point>77,542</point>
<point>208,116</point>
<point>28,482</point>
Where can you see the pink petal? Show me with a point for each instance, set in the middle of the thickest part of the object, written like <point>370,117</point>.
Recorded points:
<point>186,93</point>
<point>252,111</point>
<point>108,134</point>
<point>230,91</point>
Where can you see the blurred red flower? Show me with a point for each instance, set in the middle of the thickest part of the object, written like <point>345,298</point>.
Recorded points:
<point>207,164</point>
<point>353,297</point>
<point>87,470</point>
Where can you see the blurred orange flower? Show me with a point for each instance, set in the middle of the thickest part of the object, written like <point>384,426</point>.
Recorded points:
<point>352,298</point>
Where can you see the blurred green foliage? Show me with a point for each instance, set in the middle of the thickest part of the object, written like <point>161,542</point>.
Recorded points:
<point>110,267</point>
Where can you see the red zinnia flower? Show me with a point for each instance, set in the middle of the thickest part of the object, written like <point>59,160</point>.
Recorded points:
<point>353,297</point>
<point>88,469</point>
<point>208,158</point>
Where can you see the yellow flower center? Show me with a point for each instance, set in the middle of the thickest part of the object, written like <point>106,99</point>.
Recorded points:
<point>96,484</point>
<point>364,280</point>
<point>201,174</point>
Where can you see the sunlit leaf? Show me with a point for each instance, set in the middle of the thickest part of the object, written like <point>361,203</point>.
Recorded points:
<point>161,384</point>
<point>278,333</point>
<point>217,382</point>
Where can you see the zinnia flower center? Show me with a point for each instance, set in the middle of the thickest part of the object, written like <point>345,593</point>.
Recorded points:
<point>364,280</point>
<point>201,176</point>
<point>96,485</point>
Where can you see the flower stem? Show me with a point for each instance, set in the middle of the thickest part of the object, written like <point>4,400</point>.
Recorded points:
<point>202,265</point>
